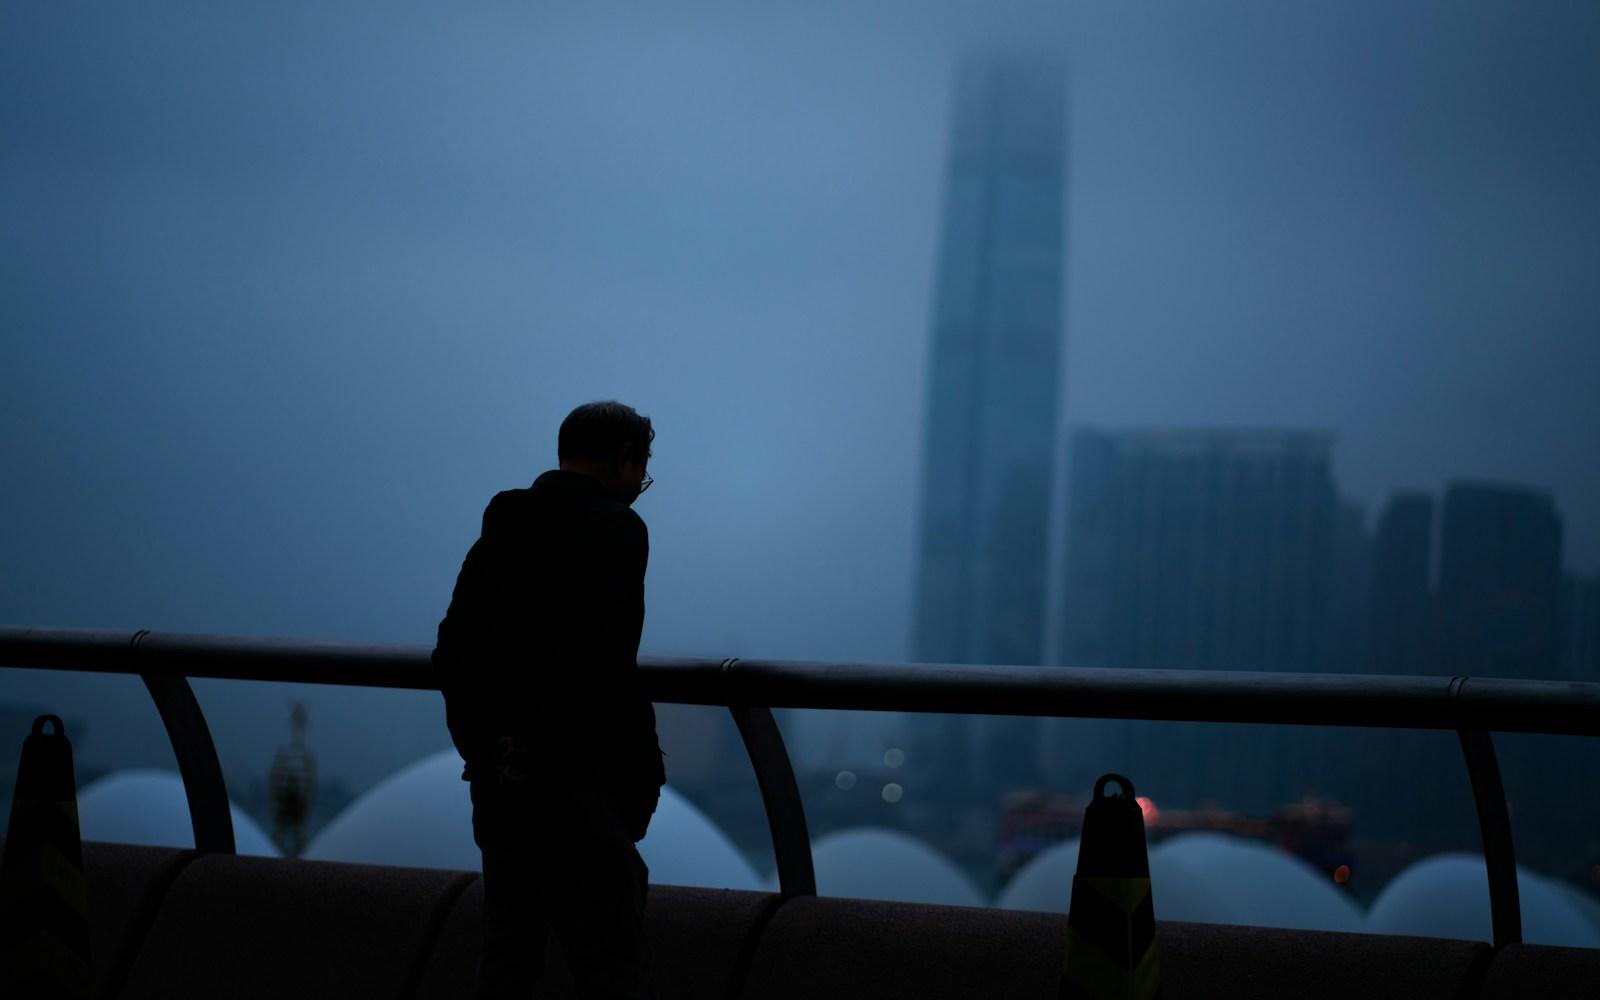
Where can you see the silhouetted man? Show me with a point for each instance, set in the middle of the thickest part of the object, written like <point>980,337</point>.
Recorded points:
<point>537,658</point>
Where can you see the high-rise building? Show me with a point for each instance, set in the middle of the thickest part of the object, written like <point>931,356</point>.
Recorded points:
<point>1580,628</point>
<point>992,389</point>
<point>1499,581</point>
<point>1402,628</point>
<point>1350,591</point>
<point>1205,550</point>
<point>1196,549</point>
<point>992,395</point>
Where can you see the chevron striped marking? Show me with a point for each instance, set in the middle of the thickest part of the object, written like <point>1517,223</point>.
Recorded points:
<point>1111,948</point>
<point>1091,974</point>
<point>40,965</point>
<point>45,868</point>
<point>34,824</point>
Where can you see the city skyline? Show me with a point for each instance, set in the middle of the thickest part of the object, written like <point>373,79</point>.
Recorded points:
<point>277,336</point>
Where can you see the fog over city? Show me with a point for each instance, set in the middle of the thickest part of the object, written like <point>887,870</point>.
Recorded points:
<point>287,294</point>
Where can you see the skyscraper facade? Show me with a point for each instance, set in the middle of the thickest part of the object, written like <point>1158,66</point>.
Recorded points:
<point>1196,549</point>
<point>1580,628</point>
<point>992,389</point>
<point>1402,620</point>
<point>1499,581</point>
<point>992,398</point>
<point>1204,550</point>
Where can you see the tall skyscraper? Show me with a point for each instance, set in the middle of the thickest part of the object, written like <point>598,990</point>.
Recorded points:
<point>989,431</point>
<point>1402,620</point>
<point>1499,581</point>
<point>992,391</point>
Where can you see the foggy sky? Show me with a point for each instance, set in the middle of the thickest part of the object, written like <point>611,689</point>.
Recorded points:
<point>287,294</point>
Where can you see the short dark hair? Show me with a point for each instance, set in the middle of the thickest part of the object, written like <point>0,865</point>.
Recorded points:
<point>597,431</point>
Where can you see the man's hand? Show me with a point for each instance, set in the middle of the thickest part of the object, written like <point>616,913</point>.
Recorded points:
<point>638,805</point>
<point>511,760</point>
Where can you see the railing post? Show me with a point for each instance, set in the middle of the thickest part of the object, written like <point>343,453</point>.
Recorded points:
<point>1494,826</point>
<point>197,758</point>
<point>780,796</point>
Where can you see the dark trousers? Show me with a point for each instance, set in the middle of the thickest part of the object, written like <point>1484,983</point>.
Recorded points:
<point>563,861</point>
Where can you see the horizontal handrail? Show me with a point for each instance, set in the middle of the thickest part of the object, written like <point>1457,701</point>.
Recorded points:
<point>1471,706</point>
<point>1365,700</point>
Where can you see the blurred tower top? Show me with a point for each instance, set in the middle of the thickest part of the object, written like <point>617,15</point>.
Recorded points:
<point>1011,101</point>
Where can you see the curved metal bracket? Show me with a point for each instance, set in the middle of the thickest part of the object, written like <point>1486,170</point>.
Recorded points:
<point>780,795</point>
<point>1494,826</point>
<point>197,759</point>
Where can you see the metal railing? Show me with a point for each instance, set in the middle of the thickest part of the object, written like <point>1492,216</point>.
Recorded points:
<point>1472,707</point>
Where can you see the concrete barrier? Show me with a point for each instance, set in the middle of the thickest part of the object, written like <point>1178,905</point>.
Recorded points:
<point>842,947</point>
<point>1533,970</point>
<point>168,923</point>
<point>245,927</point>
<point>126,886</point>
<point>700,942</point>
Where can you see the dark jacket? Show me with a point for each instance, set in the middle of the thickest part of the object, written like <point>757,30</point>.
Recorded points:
<point>541,640</point>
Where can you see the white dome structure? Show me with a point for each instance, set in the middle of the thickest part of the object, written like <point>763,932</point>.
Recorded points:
<point>683,847</point>
<point>1045,883</point>
<point>1582,901</point>
<point>1447,895</point>
<point>421,817</point>
<point>1214,878</point>
<point>418,817</point>
<point>1205,878</point>
<point>139,806</point>
<point>875,863</point>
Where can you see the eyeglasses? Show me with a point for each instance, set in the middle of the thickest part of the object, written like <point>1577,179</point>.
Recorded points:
<point>646,483</point>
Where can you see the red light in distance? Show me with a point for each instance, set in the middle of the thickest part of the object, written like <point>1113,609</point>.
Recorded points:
<point>1148,807</point>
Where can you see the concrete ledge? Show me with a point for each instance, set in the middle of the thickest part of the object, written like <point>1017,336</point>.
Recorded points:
<point>1536,970</point>
<point>246,927</point>
<point>835,948</point>
<point>177,925</point>
<point>699,942</point>
<point>1241,963</point>
<point>126,884</point>
<point>842,947</point>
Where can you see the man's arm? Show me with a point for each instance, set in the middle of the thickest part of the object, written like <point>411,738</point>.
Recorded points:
<point>637,751</point>
<point>460,658</point>
<point>630,556</point>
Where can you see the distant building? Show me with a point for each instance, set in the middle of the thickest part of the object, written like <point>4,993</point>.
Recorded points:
<point>1499,582</point>
<point>1205,550</point>
<point>1580,628</point>
<point>1401,629</point>
<point>992,391</point>
<point>1350,592</point>
<point>992,394</point>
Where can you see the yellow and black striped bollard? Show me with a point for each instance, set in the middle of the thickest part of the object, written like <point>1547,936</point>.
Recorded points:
<point>1111,927</point>
<point>44,922</point>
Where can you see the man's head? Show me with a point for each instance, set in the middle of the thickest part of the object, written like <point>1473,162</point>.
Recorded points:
<point>609,442</point>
